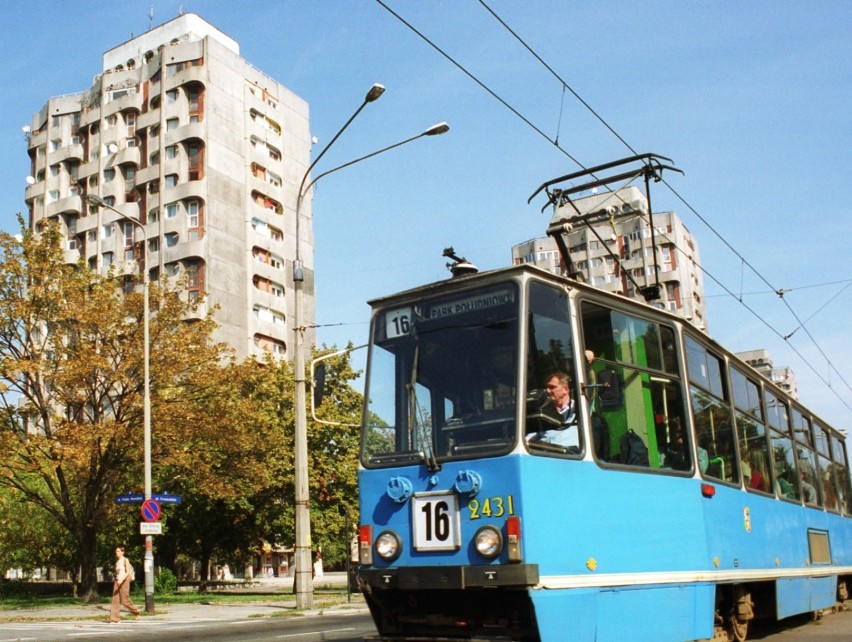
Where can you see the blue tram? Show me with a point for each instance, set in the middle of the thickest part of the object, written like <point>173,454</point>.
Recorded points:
<point>680,496</point>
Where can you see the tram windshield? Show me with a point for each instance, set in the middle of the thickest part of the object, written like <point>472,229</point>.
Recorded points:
<point>442,378</point>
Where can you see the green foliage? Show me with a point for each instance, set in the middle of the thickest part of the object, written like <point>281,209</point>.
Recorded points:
<point>165,583</point>
<point>71,346</point>
<point>71,425</point>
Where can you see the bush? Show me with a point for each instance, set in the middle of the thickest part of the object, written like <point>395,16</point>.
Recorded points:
<point>165,583</point>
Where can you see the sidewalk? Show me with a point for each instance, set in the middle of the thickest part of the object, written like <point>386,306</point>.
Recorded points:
<point>262,607</point>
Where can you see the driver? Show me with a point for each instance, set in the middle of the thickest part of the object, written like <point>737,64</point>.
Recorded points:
<point>560,407</point>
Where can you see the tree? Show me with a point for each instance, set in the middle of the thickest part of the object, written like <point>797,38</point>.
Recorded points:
<point>333,453</point>
<point>71,346</point>
<point>228,461</point>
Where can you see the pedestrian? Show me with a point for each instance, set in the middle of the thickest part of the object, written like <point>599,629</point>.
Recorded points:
<point>124,575</point>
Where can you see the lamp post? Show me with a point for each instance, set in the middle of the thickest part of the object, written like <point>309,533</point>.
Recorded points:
<point>304,587</point>
<point>146,407</point>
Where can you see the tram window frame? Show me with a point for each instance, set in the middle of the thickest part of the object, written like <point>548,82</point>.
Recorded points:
<point>549,315</point>
<point>777,413</point>
<point>780,437</point>
<point>754,449</point>
<point>844,487</point>
<point>635,385</point>
<point>826,471</point>
<point>717,449</point>
<point>800,424</point>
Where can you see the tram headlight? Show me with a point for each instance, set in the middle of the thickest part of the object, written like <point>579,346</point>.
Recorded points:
<point>488,541</point>
<point>388,546</point>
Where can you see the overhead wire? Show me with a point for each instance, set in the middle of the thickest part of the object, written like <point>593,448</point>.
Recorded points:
<point>555,143</point>
<point>682,200</point>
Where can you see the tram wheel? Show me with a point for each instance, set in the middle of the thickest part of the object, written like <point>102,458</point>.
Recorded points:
<point>739,630</point>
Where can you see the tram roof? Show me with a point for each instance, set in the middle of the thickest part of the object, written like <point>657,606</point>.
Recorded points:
<point>455,283</point>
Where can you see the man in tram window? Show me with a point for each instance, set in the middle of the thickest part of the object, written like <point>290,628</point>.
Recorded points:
<point>560,412</point>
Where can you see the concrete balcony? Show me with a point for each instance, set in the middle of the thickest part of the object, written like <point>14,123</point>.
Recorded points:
<point>68,204</point>
<point>132,101</point>
<point>148,119</point>
<point>71,256</point>
<point>147,174</point>
<point>266,299</point>
<point>34,191</point>
<point>268,272</point>
<point>37,139</point>
<point>188,190</point>
<point>128,155</point>
<point>74,152</point>
<point>185,132</point>
<point>186,75</point>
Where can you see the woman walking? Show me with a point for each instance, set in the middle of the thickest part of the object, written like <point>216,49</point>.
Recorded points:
<point>121,587</point>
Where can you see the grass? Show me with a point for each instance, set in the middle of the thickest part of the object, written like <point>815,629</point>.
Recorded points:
<point>322,599</point>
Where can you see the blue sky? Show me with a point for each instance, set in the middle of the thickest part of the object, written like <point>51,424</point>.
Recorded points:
<point>750,99</point>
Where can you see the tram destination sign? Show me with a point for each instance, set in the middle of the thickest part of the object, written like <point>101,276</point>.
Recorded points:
<point>480,301</point>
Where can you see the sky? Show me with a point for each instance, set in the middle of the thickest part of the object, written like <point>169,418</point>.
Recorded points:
<point>750,99</point>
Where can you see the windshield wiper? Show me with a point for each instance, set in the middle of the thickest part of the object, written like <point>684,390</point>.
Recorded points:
<point>415,426</point>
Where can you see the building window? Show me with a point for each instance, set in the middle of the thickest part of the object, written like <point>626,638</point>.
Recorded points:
<point>171,210</point>
<point>196,160</point>
<point>195,279</point>
<point>171,239</point>
<point>171,180</point>
<point>171,151</point>
<point>171,96</point>
<point>172,124</point>
<point>129,178</point>
<point>193,212</point>
<point>130,121</point>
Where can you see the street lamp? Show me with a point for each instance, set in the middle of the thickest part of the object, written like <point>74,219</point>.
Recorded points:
<point>146,286</point>
<point>304,588</point>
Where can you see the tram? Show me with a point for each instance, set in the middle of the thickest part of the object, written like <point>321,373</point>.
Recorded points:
<point>681,495</point>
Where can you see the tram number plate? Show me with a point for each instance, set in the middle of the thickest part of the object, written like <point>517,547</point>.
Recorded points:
<point>436,522</point>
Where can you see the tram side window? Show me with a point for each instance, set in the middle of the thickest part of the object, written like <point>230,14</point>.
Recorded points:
<point>717,456</point>
<point>552,421</point>
<point>754,448</point>
<point>841,473</point>
<point>633,389</point>
<point>807,459</point>
<point>827,473</point>
<point>783,455</point>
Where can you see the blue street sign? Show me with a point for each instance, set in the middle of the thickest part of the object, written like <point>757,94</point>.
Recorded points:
<point>129,498</point>
<point>165,498</point>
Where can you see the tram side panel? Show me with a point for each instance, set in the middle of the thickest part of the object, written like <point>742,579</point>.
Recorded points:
<point>755,538</point>
<point>620,552</point>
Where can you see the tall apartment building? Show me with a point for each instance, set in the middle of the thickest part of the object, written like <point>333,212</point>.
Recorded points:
<point>782,376</point>
<point>206,152</point>
<point>614,251</point>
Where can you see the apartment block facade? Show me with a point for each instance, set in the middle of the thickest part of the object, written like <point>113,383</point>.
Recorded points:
<point>206,152</point>
<point>782,376</point>
<point>614,247</point>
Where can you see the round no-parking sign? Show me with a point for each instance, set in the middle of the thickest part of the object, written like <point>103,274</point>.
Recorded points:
<point>150,510</point>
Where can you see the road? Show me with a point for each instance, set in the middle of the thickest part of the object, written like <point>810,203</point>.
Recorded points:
<point>346,627</point>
